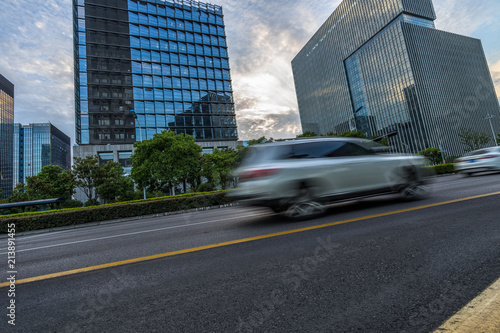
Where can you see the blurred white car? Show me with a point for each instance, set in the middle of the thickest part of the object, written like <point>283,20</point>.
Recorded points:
<point>486,159</point>
<point>298,177</point>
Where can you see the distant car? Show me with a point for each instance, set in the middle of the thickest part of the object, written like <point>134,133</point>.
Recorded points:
<point>486,159</point>
<point>298,177</point>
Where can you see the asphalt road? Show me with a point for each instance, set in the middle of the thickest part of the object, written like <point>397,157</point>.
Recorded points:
<point>407,271</point>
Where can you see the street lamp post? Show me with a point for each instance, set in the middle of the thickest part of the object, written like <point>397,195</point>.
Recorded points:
<point>140,136</point>
<point>489,116</point>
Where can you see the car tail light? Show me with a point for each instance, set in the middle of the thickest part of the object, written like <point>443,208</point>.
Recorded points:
<point>487,157</point>
<point>260,173</point>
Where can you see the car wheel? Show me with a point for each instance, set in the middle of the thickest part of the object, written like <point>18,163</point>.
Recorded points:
<point>304,205</point>
<point>415,192</point>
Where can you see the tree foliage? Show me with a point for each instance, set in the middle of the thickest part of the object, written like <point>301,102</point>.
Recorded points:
<point>218,167</point>
<point>107,181</point>
<point>307,134</point>
<point>472,140</point>
<point>433,153</point>
<point>165,161</point>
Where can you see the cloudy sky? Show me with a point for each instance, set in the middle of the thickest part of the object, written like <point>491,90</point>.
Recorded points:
<point>36,54</point>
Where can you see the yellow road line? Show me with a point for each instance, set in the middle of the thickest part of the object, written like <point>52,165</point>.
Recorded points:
<point>481,315</point>
<point>237,241</point>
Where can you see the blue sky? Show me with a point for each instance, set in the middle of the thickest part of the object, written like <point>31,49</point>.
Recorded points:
<point>36,54</point>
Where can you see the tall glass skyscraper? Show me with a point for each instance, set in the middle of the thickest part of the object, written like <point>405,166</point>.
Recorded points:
<point>6,135</point>
<point>38,145</point>
<point>166,60</point>
<point>381,66</point>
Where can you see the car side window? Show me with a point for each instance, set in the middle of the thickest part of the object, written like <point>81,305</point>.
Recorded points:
<point>350,149</point>
<point>315,149</point>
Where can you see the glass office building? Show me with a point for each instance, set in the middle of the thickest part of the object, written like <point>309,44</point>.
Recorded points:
<point>166,60</point>
<point>6,135</point>
<point>38,145</point>
<point>381,67</point>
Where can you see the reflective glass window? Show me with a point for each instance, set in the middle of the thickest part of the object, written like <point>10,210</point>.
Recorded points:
<point>161,10</point>
<point>173,46</point>
<point>151,8</point>
<point>135,42</point>
<point>218,74</point>
<point>153,20</point>
<point>136,67</point>
<point>142,7</point>
<point>168,95</point>
<point>145,55</point>
<point>181,36</point>
<point>223,52</point>
<point>189,37</point>
<point>174,58</point>
<point>146,68</point>
<point>139,106</point>
<point>222,41</point>
<point>195,95</point>
<point>155,56</point>
<point>184,71</point>
<point>162,22</point>
<point>163,45</point>
<point>155,44</point>
<point>224,63</point>
<point>164,57</point>
<point>145,43</point>
<point>192,60</point>
<point>148,94</point>
<point>193,72</point>
<point>161,121</point>
<point>213,30</point>
<point>219,85</point>
<point>84,92</point>
<point>194,84</point>
<point>157,81</point>
<point>186,95</point>
<point>177,95</point>
<point>200,60</point>
<point>183,59</point>
<point>163,33</point>
<point>132,5</point>
<point>196,27</point>
<point>176,82</point>
<point>179,24</point>
<point>210,73</point>
<point>167,82</point>
<point>215,51</point>
<point>171,23</point>
<point>143,31</point>
<point>203,84</point>
<point>143,19</point>
<point>185,83</point>
<point>176,70</point>
<point>156,68</point>
<point>149,107</point>
<point>159,107</point>
<point>217,62</point>
<point>211,84</point>
<point>220,31</point>
<point>199,49</point>
<point>147,80</point>
<point>209,62</point>
<point>153,32</point>
<point>134,29</point>
<point>165,69</point>
<point>137,80</point>
<point>227,85</point>
<point>169,107</point>
<point>135,54</point>
<point>138,93</point>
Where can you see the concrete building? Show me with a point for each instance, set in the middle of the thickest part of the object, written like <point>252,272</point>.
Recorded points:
<point>381,66</point>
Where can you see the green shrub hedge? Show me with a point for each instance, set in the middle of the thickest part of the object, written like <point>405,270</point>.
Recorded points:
<point>75,216</point>
<point>443,168</point>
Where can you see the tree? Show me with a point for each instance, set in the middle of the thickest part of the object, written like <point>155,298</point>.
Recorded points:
<point>165,161</point>
<point>114,184</point>
<point>219,165</point>
<point>87,173</point>
<point>434,154</point>
<point>107,182</point>
<point>472,140</point>
<point>52,182</point>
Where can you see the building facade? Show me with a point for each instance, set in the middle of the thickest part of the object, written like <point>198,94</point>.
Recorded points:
<point>38,145</point>
<point>6,135</point>
<point>381,67</point>
<point>165,60</point>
